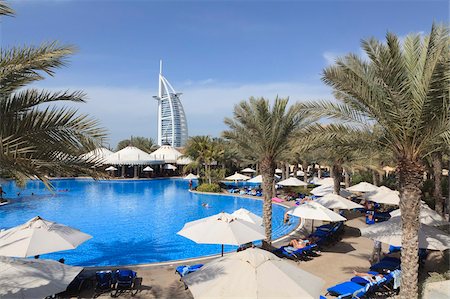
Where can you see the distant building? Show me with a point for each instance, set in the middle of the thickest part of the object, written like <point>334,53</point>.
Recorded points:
<point>172,123</point>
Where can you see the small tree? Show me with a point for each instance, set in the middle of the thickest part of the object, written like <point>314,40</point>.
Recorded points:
<point>265,132</point>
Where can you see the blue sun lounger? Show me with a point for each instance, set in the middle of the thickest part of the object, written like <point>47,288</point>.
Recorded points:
<point>351,289</point>
<point>386,264</point>
<point>104,282</point>
<point>299,254</point>
<point>184,270</point>
<point>125,282</point>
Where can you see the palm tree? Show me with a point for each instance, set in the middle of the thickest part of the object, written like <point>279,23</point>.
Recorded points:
<point>35,142</point>
<point>403,88</point>
<point>204,151</point>
<point>146,144</point>
<point>264,131</point>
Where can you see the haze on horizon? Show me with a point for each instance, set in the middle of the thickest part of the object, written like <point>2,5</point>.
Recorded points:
<point>216,53</point>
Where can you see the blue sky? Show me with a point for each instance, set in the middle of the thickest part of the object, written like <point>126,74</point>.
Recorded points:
<point>216,52</point>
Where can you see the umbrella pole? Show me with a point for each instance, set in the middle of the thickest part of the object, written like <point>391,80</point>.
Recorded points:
<point>222,249</point>
<point>312,226</point>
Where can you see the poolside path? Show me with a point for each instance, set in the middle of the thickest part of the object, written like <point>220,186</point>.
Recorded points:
<point>335,264</point>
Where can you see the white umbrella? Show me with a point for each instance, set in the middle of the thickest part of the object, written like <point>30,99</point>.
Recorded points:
<point>246,215</point>
<point>253,273</point>
<point>39,236</point>
<point>334,201</point>
<point>222,228</point>
<point>237,177</point>
<point>292,182</point>
<point>257,179</point>
<point>170,167</point>
<point>324,182</point>
<point>248,170</point>
<point>363,187</point>
<point>278,171</point>
<point>191,177</point>
<point>390,232</point>
<point>327,189</point>
<point>427,216</point>
<point>148,168</point>
<point>313,210</point>
<point>111,168</point>
<point>27,278</point>
<point>384,196</point>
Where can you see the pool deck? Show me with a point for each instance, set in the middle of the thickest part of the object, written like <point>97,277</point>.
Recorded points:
<point>335,265</point>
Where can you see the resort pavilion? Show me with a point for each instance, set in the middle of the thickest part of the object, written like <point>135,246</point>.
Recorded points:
<point>165,158</point>
<point>131,157</point>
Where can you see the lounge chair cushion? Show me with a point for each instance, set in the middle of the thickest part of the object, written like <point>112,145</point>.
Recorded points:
<point>345,288</point>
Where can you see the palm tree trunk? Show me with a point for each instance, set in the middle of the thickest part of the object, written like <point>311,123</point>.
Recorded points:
<point>410,181</point>
<point>267,166</point>
<point>336,174</point>
<point>319,172</point>
<point>448,195</point>
<point>305,171</point>
<point>375,178</point>
<point>283,171</point>
<point>295,169</point>
<point>346,179</point>
<point>437,174</point>
<point>287,170</point>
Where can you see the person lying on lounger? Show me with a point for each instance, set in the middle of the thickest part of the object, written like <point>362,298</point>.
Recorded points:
<point>297,244</point>
<point>369,277</point>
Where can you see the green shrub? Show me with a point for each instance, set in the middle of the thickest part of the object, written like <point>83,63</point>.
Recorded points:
<point>214,188</point>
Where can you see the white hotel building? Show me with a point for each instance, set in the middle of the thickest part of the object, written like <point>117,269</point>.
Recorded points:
<point>172,124</point>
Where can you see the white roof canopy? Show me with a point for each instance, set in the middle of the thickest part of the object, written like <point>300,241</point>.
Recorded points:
<point>131,155</point>
<point>248,170</point>
<point>100,154</point>
<point>167,154</point>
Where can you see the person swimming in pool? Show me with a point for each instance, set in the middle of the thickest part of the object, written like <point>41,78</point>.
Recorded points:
<point>205,205</point>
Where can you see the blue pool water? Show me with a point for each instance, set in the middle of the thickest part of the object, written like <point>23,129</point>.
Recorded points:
<point>132,222</point>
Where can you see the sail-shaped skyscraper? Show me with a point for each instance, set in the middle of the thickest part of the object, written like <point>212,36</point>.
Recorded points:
<point>172,123</point>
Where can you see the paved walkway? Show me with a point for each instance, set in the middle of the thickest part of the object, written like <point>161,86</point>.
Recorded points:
<point>335,264</point>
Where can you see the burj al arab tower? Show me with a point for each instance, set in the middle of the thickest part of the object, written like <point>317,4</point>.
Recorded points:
<point>172,124</point>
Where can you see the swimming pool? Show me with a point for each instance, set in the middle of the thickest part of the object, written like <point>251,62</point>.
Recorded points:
<point>131,221</point>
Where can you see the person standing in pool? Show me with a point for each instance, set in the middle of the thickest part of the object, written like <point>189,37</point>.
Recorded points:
<point>190,184</point>
<point>1,193</point>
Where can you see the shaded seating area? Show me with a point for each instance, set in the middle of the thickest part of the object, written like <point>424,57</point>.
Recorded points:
<point>323,235</point>
<point>116,282</point>
<point>361,286</point>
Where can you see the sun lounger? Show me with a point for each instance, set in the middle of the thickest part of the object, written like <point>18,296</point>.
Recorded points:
<point>276,199</point>
<point>350,289</point>
<point>125,282</point>
<point>184,270</point>
<point>301,254</point>
<point>105,282</point>
<point>385,266</point>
